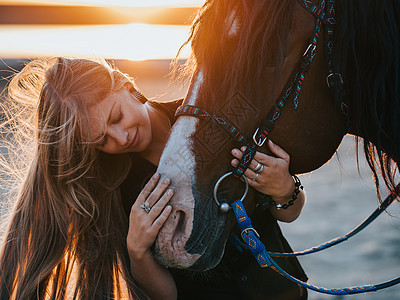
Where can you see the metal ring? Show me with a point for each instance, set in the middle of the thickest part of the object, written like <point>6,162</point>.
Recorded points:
<point>258,169</point>
<point>262,168</point>
<point>145,206</point>
<point>255,177</point>
<point>219,182</point>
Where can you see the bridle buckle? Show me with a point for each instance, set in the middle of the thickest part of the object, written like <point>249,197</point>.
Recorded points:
<point>334,80</point>
<point>246,230</point>
<point>260,141</point>
<point>310,47</point>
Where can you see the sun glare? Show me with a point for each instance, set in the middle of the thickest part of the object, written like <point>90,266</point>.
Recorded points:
<point>133,41</point>
<point>122,3</point>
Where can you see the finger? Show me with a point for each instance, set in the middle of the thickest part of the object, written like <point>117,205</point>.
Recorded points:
<point>148,188</point>
<point>252,183</point>
<point>238,154</point>
<point>263,158</point>
<point>234,162</point>
<point>259,157</point>
<point>158,191</point>
<point>160,204</point>
<point>250,175</point>
<point>257,161</point>
<point>158,223</point>
<point>278,151</point>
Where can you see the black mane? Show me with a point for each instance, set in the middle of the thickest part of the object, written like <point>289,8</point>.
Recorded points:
<point>367,54</point>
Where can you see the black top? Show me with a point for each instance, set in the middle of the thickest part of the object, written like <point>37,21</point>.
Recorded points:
<point>142,169</point>
<point>238,275</point>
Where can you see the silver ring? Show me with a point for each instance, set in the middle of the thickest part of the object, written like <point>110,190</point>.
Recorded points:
<point>146,207</point>
<point>255,177</point>
<point>258,169</point>
<point>219,182</point>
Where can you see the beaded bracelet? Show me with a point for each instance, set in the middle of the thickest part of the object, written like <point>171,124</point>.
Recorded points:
<point>296,193</point>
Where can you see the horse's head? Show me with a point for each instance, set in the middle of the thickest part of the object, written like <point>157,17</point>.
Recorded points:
<point>239,49</point>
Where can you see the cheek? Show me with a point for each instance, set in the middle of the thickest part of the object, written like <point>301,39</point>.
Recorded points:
<point>135,115</point>
<point>142,120</point>
<point>146,133</point>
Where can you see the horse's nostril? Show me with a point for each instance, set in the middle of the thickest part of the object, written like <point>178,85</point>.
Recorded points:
<point>180,228</point>
<point>180,225</point>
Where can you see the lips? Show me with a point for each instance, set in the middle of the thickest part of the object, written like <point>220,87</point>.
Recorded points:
<point>135,139</point>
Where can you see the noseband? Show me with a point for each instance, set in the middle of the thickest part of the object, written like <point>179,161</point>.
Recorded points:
<point>234,132</point>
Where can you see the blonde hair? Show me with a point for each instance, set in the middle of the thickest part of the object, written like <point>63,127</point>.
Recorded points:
<point>68,228</point>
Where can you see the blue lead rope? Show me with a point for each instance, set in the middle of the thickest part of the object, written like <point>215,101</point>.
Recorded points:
<point>240,245</point>
<point>258,250</point>
<point>382,207</point>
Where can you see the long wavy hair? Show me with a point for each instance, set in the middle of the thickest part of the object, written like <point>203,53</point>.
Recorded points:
<point>67,232</point>
<point>366,52</point>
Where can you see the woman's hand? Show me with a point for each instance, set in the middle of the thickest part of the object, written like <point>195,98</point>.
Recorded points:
<point>274,179</point>
<point>148,214</point>
<point>144,226</point>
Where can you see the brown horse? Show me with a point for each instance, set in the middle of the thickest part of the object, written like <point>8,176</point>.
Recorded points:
<point>244,53</point>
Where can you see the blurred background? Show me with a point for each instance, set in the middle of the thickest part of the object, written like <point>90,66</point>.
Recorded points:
<point>141,37</point>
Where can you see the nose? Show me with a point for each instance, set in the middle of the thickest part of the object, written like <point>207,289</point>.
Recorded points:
<point>118,134</point>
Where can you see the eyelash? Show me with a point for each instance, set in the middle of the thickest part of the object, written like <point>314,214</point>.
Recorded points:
<point>105,139</point>
<point>119,118</point>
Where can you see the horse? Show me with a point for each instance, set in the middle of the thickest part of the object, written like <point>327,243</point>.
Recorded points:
<point>244,53</point>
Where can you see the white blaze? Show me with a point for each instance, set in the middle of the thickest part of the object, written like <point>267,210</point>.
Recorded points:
<point>178,163</point>
<point>178,144</point>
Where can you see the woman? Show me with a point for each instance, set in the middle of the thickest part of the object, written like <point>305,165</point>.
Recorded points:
<point>93,133</point>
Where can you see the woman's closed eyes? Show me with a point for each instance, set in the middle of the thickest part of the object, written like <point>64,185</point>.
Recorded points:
<point>120,116</point>
<point>115,121</point>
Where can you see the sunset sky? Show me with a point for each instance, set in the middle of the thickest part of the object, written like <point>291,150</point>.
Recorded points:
<point>125,3</point>
<point>127,29</point>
